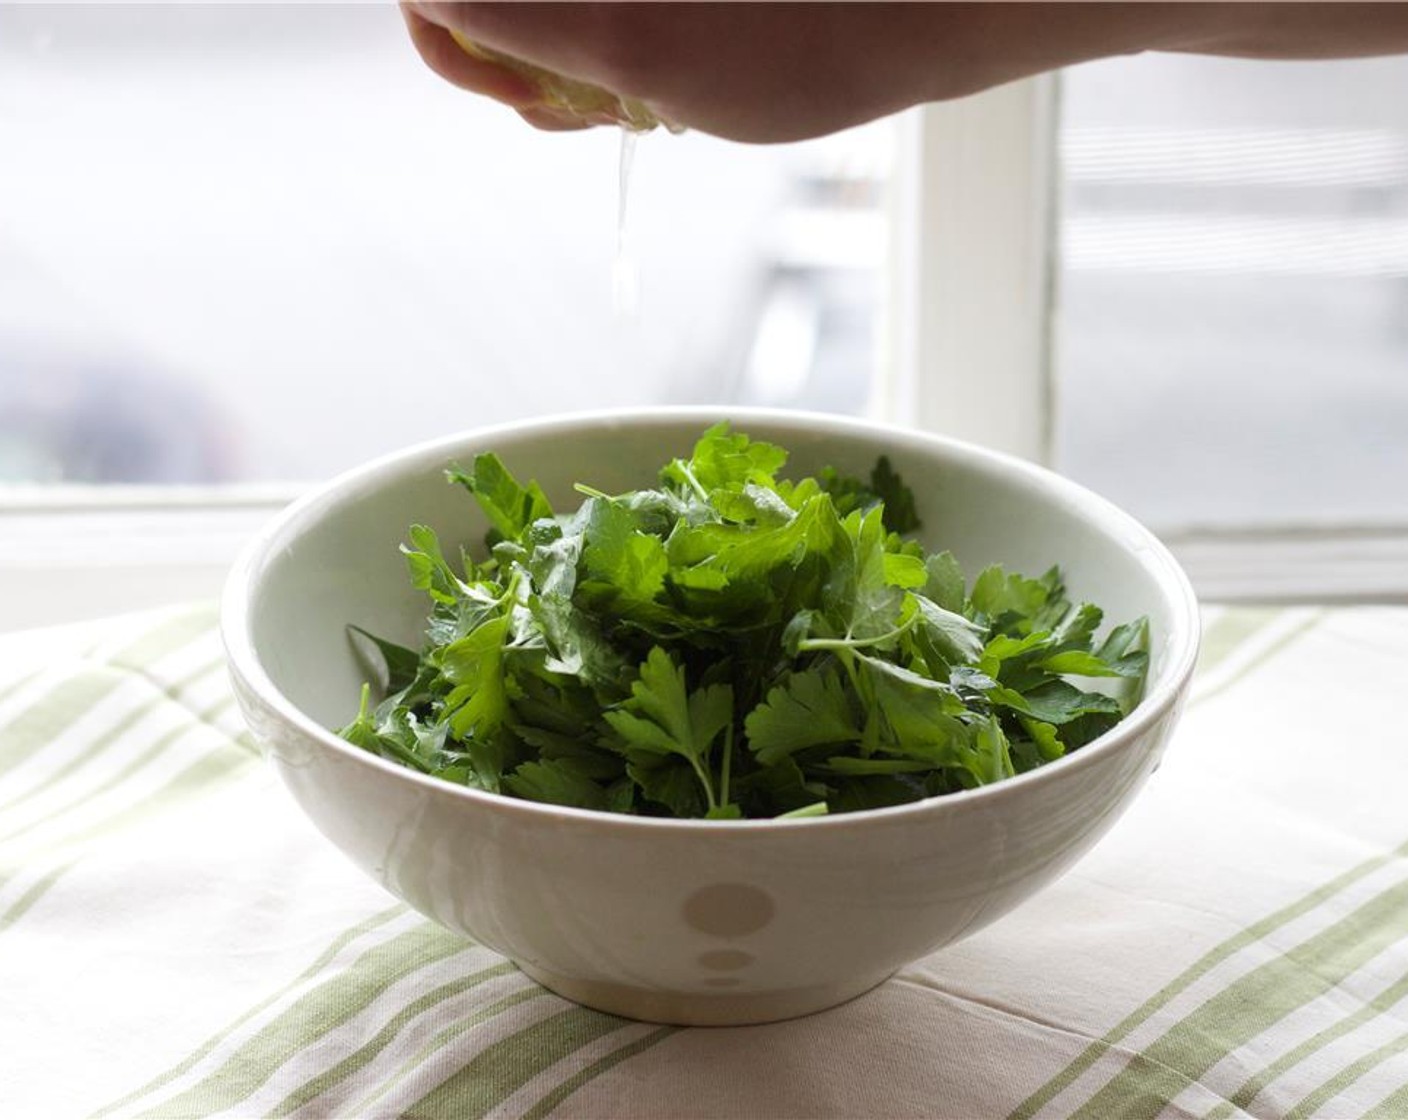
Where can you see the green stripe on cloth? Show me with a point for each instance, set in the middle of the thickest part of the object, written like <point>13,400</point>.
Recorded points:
<point>169,635</point>
<point>69,699</point>
<point>109,734</point>
<point>363,1055</point>
<point>442,1038</point>
<point>546,1105</point>
<point>55,712</point>
<point>1226,634</point>
<point>1282,643</point>
<point>1244,1096</point>
<point>18,683</point>
<point>304,1023</point>
<point>1249,1006</point>
<point>1388,1109</point>
<point>154,751</point>
<point>1200,968</point>
<point>509,1064</point>
<point>1395,1105</point>
<point>212,770</point>
<point>325,958</point>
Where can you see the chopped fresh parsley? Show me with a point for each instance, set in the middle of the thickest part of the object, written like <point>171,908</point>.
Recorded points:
<point>731,644</point>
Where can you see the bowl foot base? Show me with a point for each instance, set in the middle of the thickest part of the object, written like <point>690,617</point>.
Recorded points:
<point>700,1009</point>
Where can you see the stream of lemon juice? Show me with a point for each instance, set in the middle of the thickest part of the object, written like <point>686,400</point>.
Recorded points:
<point>625,277</point>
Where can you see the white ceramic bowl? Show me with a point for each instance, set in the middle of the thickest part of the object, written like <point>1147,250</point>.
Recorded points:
<point>689,921</point>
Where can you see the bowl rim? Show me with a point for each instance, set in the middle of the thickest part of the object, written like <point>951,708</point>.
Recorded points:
<point>242,582</point>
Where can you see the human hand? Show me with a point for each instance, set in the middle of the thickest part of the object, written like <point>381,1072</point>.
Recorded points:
<point>773,72</point>
<point>752,71</point>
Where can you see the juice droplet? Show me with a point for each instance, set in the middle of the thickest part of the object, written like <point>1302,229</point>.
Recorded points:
<point>625,282</point>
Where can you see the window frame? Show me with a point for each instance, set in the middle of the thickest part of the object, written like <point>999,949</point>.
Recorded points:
<point>966,257</point>
<point>71,553</point>
<point>972,269</point>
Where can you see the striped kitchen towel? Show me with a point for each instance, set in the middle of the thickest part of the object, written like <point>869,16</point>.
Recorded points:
<point>177,941</point>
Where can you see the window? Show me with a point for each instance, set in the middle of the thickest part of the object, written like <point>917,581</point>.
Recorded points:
<point>264,243</point>
<point>1232,358</point>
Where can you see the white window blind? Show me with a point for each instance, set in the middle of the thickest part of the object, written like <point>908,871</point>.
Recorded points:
<point>1234,292</point>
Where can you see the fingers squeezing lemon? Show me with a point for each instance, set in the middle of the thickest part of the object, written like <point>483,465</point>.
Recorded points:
<point>569,97</point>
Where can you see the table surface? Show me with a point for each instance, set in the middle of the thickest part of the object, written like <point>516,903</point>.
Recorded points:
<point>177,941</point>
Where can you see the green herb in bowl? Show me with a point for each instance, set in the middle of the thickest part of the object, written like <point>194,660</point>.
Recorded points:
<point>731,644</point>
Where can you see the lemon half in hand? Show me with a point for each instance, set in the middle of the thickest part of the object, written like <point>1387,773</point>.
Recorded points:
<point>589,103</point>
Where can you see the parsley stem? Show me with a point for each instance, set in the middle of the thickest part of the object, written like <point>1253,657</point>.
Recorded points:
<point>704,780</point>
<point>728,760</point>
<point>693,482</point>
<point>848,663</point>
<point>855,643</point>
<point>816,809</point>
<point>510,590</point>
<point>389,746</point>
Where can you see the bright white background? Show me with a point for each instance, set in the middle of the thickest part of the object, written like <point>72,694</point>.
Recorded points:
<point>264,243</point>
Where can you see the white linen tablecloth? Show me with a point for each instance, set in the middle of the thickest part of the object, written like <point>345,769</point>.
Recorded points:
<point>177,941</point>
